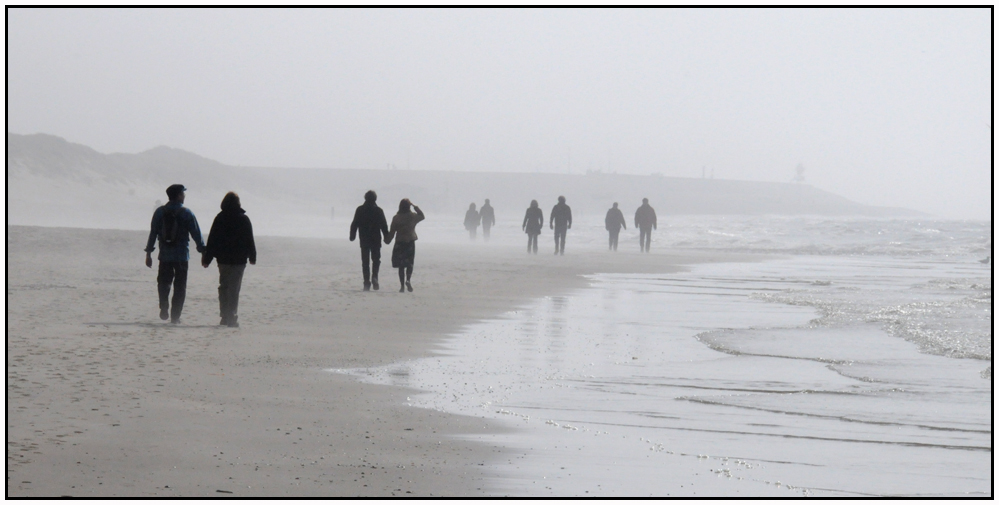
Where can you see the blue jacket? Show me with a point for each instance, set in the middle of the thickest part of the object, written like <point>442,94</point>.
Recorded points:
<point>188,225</point>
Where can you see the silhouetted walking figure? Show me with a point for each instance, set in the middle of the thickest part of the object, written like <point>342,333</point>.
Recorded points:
<point>613,223</point>
<point>472,220</point>
<point>560,221</point>
<point>230,241</point>
<point>488,219</point>
<point>369,220</point>
<point>645,221</point>
<point>404,253</point>
<point>173,224</point>
<point>534,220</point>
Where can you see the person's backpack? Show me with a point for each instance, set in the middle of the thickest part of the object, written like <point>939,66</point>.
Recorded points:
<point>170,229</point>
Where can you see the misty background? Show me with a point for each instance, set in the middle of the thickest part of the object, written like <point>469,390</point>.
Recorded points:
<point>884,107</point>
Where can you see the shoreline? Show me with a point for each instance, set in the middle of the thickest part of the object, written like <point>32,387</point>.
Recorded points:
<point>106,400</point>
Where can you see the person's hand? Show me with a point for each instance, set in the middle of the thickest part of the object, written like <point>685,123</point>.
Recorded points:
<point>551,226</point>
<point>149,260</point>
<point>253,262</point>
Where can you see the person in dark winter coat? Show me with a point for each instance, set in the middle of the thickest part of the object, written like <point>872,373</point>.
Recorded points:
<point>472,220</point>
<point>534,220</point>
<point>645,221</point>
<point>488,219</point>
<point>560,220</point>
<point>613,223</point>
<point>369,220</point>
<point>230,241</point>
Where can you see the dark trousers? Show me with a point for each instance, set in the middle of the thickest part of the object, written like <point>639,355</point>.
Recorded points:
<point>374,255</point>
<point>612,244</point>
<point>645,238</point>
<point>485,232</point>
<point>532,242</point>
<point>175,273</point>
<point>560,240</point>
<point>230,280</point>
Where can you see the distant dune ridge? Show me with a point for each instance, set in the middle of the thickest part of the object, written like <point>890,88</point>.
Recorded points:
<point>53,182</point>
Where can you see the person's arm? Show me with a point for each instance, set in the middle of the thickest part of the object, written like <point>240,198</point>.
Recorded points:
<point>636,217</point>
<point>353,225</point>
<point>195,232</point>
<point>153,232</point>
<point>391,233</point>
<point>252,246</point>
<point>551,218</point>
<point>382,223</point>
<point>527,215</point>
<point>419,214</point>
<point>568,213</point>
<point>213,237</point>
<point>655,222</point>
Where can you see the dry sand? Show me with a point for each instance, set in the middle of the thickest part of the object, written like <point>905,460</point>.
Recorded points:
<point>104,399</point>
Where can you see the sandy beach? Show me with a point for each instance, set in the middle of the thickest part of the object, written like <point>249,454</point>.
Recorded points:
<point>104,399</point>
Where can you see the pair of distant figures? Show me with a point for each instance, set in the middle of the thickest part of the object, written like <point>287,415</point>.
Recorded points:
<point>485,216</point>
<point>645,221</point>
<point>370,225</point>
<point>560,220</point>
<point>230,242</point>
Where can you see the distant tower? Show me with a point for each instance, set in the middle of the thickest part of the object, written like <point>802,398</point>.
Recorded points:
<point>799,173</point>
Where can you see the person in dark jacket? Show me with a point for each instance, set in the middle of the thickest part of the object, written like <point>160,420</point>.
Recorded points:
<point>645,221</point>
<point>613,223</point>
<point>230,241</point>
<point>534,220</point>
<point>369,220</point>
<point>173,224</point>
<point>488,219</point>
<point>560,220</point>
<point>472,220</point>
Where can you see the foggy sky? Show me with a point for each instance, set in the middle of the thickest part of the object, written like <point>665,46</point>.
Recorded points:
<point>885,107</point>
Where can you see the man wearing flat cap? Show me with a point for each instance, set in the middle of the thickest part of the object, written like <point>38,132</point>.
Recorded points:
<point>172,225</point>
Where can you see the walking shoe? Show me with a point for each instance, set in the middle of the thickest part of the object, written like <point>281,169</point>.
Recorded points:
<point>402,289</point>
<point>374,285</point>
<point>233,324</point>
<point>367,286</point>
<point>175,321</point>
<point>224,322</point>
<point>409,286</point>
<point>164,314</point>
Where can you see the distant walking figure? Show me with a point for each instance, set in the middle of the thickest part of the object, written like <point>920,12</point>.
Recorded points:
<point>534,220</point>
<point>472,220</point>
<point>231,242</point>
<point>173,224</point>
<point>369,220</point>
<point>404,253</point>
<point>560,221</point>
<point>613,223</point>
<point>645,221</point>
<point>488,219</point>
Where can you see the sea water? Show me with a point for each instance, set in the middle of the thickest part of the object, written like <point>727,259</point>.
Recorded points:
<point>855,363</point>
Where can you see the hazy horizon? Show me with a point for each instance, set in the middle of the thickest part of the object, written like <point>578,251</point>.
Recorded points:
<point>886,107</point>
